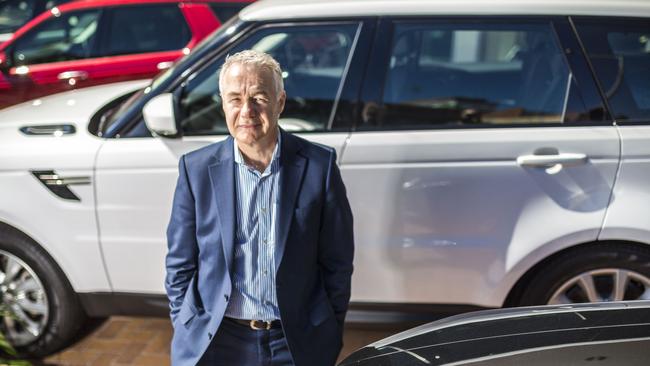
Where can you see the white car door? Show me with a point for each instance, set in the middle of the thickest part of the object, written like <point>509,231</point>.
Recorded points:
<point>136,176</point>
<point>471,165</point>
<point>620,54</point>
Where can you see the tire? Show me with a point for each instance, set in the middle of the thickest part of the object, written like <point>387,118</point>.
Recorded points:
<point>38,293</point>
<point>593,273</point>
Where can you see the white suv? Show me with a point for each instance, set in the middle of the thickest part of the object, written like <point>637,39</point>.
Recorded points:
<point>496,153</point>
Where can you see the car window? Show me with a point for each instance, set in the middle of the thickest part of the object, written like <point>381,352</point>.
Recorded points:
<point>620,55</point>
<point>66,37</point>
<point>313,60</point>
<point>117,108</point>
<point>49,4</point>
<point>140,29</point>
<point>475,73</point>
<point>225,11</point>
<point>15,13</point>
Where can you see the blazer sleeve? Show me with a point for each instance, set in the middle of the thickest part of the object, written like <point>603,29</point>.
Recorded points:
<point>182,254</point>
<point>336,242</point>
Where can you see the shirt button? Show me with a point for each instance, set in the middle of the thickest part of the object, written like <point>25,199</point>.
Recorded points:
<point>263,209</point>
<point>225,297</point>
<point>265,272</point>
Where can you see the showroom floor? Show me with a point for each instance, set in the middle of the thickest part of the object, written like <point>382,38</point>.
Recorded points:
<point>145,341</point>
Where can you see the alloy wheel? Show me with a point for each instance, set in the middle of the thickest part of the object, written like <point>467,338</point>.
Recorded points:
<point>24,296</point>
<point>606,284</point>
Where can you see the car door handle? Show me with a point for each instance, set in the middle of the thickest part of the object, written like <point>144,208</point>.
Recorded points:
<point>164,65</point>
<point>67,75</point>
<point>546,161</point>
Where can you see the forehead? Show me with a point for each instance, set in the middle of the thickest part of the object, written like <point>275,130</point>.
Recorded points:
<point>239,74</point>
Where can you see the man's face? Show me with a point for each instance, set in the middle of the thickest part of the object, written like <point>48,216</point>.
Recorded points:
<point>251,103</point>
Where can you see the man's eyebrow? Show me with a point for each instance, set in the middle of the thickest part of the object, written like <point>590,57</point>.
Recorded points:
<point>232,94</point>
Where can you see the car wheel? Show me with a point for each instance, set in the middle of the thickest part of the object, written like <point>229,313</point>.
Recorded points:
<point>46,311</point>
<point>596,273</point>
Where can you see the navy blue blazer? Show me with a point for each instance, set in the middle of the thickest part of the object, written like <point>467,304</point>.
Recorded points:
<point>314,250</point>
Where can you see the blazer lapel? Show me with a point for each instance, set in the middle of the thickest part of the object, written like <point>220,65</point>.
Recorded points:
<point>292,168</point>
<point>222,176</point>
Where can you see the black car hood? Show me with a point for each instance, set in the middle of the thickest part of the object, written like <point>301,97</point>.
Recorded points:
<point>590,334</point>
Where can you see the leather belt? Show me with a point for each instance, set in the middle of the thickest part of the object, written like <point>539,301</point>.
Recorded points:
<point>257,324</point>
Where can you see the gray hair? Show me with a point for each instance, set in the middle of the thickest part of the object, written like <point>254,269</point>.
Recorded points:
<point>257,59</point>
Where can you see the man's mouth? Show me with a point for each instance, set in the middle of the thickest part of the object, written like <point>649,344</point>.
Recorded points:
<point>249,126</point>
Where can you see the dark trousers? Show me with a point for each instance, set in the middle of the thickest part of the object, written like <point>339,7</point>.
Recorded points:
<point>239,345</point>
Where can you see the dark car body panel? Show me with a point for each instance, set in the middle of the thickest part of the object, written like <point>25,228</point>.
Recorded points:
<point>603,334</point>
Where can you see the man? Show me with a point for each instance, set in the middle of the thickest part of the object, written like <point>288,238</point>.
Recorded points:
<point>260,237</point>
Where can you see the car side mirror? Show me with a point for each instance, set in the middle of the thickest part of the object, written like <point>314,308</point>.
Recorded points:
<point>158,114</point>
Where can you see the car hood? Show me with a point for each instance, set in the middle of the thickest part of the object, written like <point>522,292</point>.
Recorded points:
<point>73,107</point>
<point>550,335</point>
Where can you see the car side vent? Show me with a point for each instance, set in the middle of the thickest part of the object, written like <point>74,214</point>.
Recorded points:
<point>58,184</point>
<point>49,130</point>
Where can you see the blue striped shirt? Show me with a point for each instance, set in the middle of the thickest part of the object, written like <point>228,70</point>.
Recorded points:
<point>253,274</point>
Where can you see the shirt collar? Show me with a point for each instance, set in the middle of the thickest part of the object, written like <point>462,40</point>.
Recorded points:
<point>239,159</point>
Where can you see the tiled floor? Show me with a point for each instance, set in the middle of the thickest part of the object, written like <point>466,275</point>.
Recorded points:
<point>145,341</point>
<point>120,341</point>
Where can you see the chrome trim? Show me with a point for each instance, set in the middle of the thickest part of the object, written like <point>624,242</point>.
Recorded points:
<point>49,130</point>
<point>165,65</point>
<point>81,75</point>
<point>57,180</point>
<point>66,181</point>
<point>60,185</point>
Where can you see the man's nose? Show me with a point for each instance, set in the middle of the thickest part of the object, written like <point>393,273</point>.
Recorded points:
<point>248,108</point>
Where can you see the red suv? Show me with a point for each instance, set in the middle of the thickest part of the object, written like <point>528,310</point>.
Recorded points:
<point>91,42</point>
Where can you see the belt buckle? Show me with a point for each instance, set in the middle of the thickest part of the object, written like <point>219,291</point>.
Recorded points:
<point>255,325</point>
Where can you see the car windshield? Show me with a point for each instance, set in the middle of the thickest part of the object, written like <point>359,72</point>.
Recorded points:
<point>112,115</point>
<point>15,13</point>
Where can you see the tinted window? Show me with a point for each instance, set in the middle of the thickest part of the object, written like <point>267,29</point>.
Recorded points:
<point>14,13</point>
<point>139,29</point>
<point>49,4</point>
<point>225,11</point>
<point>620,55</point>
<point>455,73</point>
<point>70,36</point>
<point>313,60</point>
